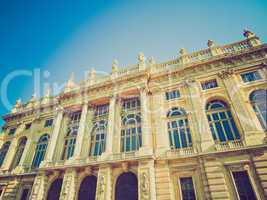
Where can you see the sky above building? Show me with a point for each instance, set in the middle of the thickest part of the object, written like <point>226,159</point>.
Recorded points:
<point>43,42</point>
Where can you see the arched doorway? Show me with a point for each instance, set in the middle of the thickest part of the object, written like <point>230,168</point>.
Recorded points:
<point>126,187</point>
<point>87,188</point>
<point>54,190</point>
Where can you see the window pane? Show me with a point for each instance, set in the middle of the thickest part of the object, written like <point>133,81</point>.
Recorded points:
<point>187,188</point>
<point>243,185</point>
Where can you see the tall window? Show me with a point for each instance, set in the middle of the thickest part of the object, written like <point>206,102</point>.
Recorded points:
<point>99,132</point>
<point>70,137</point>
<point>40,150</point>
<point>243,186</point>
<point>98,138</point>
<point>3,152</point>
<point>221,122</point>
<point>178,129</point>
<point>131,134</point>
<point>259,104</point>
<point>187,188</point>
<point>19,152</point>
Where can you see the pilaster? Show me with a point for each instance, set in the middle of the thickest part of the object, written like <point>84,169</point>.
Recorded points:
<point>104,183</point>
<point>54,137</point>
<point>146,180</point>
<point>145,123</point>
<point>81,133</point>
<point>111,125</point>
<point>39,187</point>
<point>69,186</point>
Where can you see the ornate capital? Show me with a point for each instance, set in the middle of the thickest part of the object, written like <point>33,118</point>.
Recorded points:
<point>225,74</point>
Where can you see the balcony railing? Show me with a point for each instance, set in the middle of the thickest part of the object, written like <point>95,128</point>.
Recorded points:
<point>180,152</point>
<point>234,144</point>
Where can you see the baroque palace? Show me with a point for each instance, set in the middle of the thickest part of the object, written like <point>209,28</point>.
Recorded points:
<point>190,128</point>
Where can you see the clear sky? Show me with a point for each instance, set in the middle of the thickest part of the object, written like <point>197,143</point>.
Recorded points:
<point>58,37</point>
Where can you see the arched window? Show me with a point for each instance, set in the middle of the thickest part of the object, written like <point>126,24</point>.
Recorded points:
<point>70,137</point>
<point>87,189</point>
<point>131,134</point>
<point>19,152</point>
<point>40,150</point>
<point>98,138</point>
<point>3,152</point>
<point>178,129</point>
<point>54,190</point>
<point>221,122</point>
<point>126,187</point>
<point>259,104</point>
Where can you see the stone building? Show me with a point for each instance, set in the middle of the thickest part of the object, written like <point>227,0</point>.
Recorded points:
<point>190,128</point>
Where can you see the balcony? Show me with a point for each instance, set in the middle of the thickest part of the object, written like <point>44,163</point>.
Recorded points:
<point>233,144</point>
<point>181,152</point>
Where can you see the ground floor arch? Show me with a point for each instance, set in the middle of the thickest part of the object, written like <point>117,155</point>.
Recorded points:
<point>87,189</point>
<point>126,187</point>
<point>54,190</point>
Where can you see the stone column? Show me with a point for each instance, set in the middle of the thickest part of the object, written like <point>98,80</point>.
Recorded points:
<point>69,186</point>
<point>110,128</point>
<point>146,180</point>
<point>54,137</point>
<point>205,142</point>
<point>145,123</point>
<point>252,135</point>
<point>81,133</point>
<point>104,183</point>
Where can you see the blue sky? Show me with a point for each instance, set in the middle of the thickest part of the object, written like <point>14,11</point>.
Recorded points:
<point>58,37</point>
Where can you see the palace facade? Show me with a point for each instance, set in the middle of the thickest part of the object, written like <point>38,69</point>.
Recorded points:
<point>190,128</point>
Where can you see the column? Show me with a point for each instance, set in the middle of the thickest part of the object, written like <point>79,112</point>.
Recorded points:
<point>145,123</point>
<point>104,183</point>
<point>200,122</point>
<point>110,128</point>
<point>54,137</point>
<point>81,133</point>
<point>69,186</point>
<point>252,135</point>
<point>146,180</point>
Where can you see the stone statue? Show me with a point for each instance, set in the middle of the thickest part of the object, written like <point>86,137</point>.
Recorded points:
<point>248,34</point>
<point>115,66</point>
<point>141,58</point>
<point>102,188</point>
<point>210,43</point>
<point>182,52</point>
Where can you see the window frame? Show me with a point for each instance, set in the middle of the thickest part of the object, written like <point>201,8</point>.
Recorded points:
<point>258,76</point>
<point>209,81</point>
<point>48,123</point>
<point>230,120</point>
<point>252,183</point>
<point>172,94</point>
<point>180,185</point>
<point>185,126</point>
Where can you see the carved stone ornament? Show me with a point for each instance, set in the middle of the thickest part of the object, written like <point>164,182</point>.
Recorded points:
<point>210,43</point>
<point>144,186</point>
<point>102,186</point>
<point>226,73</point>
